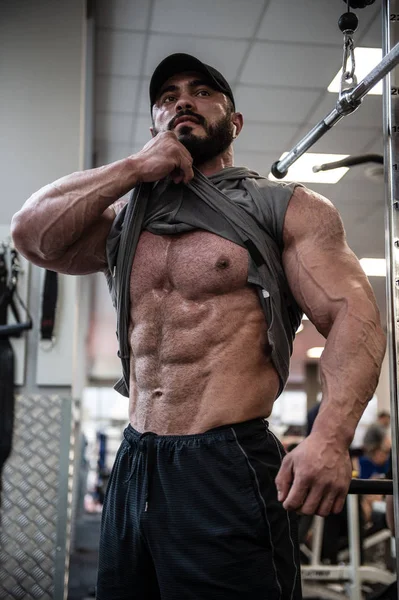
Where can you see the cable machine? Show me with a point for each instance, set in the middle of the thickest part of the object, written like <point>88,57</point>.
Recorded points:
<point>350,97</point>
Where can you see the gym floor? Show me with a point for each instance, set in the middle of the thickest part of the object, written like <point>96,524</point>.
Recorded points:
<point>83,561</point>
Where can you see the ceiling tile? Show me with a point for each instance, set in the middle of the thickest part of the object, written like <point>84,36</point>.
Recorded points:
<point>274,104</point>
<point>261,137</point>
<point>116,94</point>
<point>224,55</point>
<point>119,53</point>
<point>371,173</point>
<point>123,14</point>
<point>377,146</point>
<point>341,140</point>
<point>290,65</point>
<point>306,21</point>
<point>261,163</point>
<point>373,37</point>
<point>142,133</point>
<point>369,113</point>
<point>113,128</point>
<point>224,18</point>
<point>144,99</point>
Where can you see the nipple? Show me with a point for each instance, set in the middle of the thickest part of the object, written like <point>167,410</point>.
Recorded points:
<point>222,263</point>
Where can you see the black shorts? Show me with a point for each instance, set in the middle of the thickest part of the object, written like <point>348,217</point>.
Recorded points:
<point>196,517</point>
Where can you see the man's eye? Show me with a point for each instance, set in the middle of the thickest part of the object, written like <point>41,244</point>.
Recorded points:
<point>203,93</point>
<point>169,99</point>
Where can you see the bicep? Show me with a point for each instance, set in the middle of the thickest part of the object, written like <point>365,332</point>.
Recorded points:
<point>323,273</point>
<point>87,254</point>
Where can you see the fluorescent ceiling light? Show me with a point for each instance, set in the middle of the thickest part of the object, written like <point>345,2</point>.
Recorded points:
<point>305,318</point>
<point>374,267</point>
<point>314,352</point>
<point>302,169</point>
<point>300,328</point>
<point>366,59</point>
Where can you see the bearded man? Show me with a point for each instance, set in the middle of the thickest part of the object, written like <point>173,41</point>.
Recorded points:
<point>210,267</point>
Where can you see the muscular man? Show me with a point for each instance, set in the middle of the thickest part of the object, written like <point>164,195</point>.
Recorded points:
<point>201,501</point>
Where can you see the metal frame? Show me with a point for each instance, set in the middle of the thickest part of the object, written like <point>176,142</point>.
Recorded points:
<point>346,105</point>
<point>390,10</point>
<point>354,573</point>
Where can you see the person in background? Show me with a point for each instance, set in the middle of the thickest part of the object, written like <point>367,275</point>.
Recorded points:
<point>384,419</point>
<point>375,463</point>
<point>377,448</point>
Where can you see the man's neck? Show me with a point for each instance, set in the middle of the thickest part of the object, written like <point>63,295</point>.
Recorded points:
<point>217,164</point>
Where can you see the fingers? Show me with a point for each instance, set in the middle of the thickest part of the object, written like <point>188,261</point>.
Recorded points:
<point>339,504</point>
<point>183,174</point>
<point>186,169</point>
<point>165,156</point>
<point>297,497</point>
<point>314,500</point>
<point>284,479</point>
<point>319,503</point>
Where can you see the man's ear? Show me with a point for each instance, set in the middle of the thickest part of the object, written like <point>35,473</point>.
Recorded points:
<point>238,122</point>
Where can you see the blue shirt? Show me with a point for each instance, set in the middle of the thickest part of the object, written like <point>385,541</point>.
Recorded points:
<point>368,468</point>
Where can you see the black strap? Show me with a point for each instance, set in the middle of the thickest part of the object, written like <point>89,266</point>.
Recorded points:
<point>6,366</point>
<point>6,399</point>
<point>49,305</point>
<point>9,272</point>
<point>9,297</point>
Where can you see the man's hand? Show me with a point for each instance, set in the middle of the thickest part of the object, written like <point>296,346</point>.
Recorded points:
<point>162,156</point>
<point>314,478</point>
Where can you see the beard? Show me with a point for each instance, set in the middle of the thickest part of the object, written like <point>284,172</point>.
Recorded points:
<point>218,137</point>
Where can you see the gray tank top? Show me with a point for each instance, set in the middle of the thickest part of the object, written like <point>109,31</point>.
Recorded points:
<point>236,204</point>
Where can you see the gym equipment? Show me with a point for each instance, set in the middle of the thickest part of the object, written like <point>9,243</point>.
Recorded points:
<point>348,101</point>
<point>316,576</point>
<point>350,97</point>
<point>9,301</point>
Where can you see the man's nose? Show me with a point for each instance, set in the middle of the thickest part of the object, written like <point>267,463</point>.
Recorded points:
<point>185,102</point>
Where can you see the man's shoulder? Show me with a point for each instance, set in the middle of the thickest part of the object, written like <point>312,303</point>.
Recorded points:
<point>276,186</point>
<point>308,207</point>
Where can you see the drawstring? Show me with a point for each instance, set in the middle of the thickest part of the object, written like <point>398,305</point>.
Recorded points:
<point>151,457</point>
<point>146,439</point>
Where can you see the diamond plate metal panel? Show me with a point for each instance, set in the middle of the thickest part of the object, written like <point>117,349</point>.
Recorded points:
<point>36,501</point>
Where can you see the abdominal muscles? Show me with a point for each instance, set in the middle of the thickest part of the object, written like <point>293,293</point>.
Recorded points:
<point>199,351</point>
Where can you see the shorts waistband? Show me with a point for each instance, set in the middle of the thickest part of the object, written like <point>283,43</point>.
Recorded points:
<point>223,432</point>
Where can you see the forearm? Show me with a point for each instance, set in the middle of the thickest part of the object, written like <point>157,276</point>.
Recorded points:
<point>58,214</point>
<point>349,368</point>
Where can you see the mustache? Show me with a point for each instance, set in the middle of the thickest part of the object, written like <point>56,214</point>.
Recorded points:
<point>186,113</point>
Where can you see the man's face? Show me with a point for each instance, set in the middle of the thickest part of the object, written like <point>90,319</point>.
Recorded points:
<point>384,421</point>
<point>199,115</point>
<point>381,455</point>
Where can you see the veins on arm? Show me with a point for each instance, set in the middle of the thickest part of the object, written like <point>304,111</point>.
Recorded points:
<point>330,286</point>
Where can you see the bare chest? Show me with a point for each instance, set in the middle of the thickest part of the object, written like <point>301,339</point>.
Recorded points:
<point>198,264</point>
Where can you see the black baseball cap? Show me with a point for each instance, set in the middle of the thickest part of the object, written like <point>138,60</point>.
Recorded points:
<point>178,63</point>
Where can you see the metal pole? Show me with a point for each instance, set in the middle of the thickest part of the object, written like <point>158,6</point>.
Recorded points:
<point>354,547</point>
<point>390,13</point>
<point>317,542</point>
<point>346,105</point>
